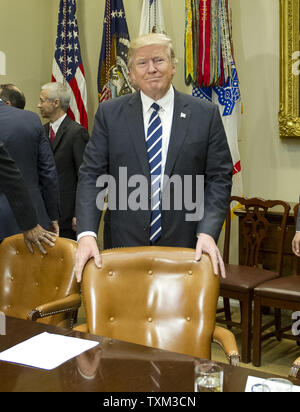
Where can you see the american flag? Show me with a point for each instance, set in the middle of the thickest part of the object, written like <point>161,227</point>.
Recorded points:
<point>67,63</point>
<point>113,77</point>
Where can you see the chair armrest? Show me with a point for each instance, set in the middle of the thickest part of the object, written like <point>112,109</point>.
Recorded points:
<point>226,340</point>
<point>69,303</point>
<point>82,328</point>
<point>295,368</point>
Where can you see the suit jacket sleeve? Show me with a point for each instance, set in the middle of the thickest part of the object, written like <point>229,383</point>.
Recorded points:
<point>95,164</point>
<point>80,140</point>
<point>13,186</point>
<point>48,176</point>
<point>218,179</point>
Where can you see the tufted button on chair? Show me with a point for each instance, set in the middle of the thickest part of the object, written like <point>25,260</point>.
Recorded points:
<point>158,297</point>
<point>36,286</point>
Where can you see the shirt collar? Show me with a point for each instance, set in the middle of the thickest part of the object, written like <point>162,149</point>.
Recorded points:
<point>164,102</point>
<point>55,125</point>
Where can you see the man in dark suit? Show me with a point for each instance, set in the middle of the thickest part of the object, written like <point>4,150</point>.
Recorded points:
<point>13,186</point>
<point>12,95</point>
<point>155,130</point>
<point>24,138</point>
<point>68,140</point>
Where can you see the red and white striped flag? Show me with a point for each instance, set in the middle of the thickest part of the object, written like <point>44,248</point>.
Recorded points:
<point>67,64</point>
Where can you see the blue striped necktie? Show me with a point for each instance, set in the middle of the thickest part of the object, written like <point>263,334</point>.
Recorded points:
<point>154,149</point>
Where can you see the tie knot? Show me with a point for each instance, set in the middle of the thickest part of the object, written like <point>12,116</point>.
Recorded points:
<point>155,107</point>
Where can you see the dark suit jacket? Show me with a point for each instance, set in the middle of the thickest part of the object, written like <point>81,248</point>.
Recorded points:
<point>298,220</point>
<point>26,142</point>
<point>13,186</point>
<point>68,148</point>
<point>198,146</point>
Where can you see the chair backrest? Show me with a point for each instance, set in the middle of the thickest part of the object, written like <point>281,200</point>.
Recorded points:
<point>254,228</point>
<point>153,296</point>
<point>29,280</point>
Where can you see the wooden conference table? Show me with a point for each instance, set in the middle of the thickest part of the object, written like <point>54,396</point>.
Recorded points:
<point>112,366</point>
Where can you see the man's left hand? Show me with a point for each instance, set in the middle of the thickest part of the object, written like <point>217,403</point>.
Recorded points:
<point>296,244</point>
<point>206,244</point>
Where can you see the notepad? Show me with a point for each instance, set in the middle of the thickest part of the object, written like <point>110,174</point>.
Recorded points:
<point>46,350</point>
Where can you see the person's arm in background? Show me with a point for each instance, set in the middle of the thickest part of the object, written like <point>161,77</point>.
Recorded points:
<point>13,186</point>
<point>296,239</point>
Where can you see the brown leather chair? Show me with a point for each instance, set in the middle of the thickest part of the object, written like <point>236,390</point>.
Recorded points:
<point>36,286</point>
<point>242,279</point>
<point>295,368</point>
<point>158,297</point>
<point>281,293</point>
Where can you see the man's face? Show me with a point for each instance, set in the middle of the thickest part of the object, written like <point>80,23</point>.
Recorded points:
<point>45,105</point>
<point>152,71</point>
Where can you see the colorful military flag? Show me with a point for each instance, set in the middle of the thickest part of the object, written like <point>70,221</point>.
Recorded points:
<point>67,64</point>
<point>152,19</point>
<point>113,77</point>
<point>210,68</point>
<point>228,98</point>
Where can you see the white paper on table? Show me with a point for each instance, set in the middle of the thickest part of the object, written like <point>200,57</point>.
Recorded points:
<point>253,380</point>
<point>47,350</point>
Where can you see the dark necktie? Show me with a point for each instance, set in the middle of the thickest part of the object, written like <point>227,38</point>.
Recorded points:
<point>51,134</point>
<point>154,149</point>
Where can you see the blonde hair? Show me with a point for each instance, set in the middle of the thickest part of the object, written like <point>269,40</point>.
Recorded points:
<point>149,40</point>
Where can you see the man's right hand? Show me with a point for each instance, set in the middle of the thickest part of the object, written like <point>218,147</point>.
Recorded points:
<point>87,249</point>
<point>37,236</point>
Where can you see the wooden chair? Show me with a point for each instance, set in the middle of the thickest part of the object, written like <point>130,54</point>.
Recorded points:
<point>242,279</point>
<point>281,293</point>
<point>36,286</point>
<point>295,368</point>
<point>158,297</point>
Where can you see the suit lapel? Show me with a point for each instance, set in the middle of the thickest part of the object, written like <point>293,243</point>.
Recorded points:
<point>181,117</point>
<point>60,133</point>
<point>134,115</point>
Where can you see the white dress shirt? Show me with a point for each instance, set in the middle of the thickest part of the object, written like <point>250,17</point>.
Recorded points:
<point>166,116</point>
<point>55,125</point>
